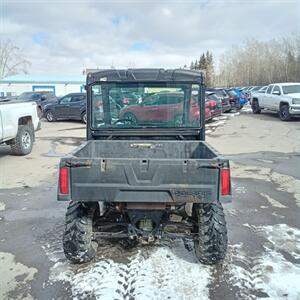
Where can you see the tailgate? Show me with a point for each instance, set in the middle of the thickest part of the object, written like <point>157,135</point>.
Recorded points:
<point>143,180</point>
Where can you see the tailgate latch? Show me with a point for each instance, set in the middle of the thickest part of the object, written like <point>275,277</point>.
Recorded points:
<point>103,165</point>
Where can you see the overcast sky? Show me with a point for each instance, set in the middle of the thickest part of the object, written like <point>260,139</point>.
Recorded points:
<point>64,37</point>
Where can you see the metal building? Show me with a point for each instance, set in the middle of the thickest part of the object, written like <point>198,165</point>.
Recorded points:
<point>60,85</point>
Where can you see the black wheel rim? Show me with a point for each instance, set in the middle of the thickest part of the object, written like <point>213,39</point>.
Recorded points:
<point>131,119</point>
<point>283,113</point>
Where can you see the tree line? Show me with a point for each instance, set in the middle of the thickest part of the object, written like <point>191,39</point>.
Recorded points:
<point>206,64</point>
<point>254,63</point>
<point>261,62</point>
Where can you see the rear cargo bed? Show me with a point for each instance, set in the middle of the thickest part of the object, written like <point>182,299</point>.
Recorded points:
<point>144,171</point>
<point>139,149</point>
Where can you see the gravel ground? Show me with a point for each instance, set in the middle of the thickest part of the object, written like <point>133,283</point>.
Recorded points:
<point>263,259</point>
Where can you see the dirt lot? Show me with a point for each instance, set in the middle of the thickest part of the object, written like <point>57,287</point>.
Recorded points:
<point>263,258</point>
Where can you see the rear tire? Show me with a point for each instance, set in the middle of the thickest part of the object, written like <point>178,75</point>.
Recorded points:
<point>50,117</point>
<point>78,243</point>
<point>284,113</point>
<point>211,242</point>
<point>39,112</point>
<point>178,121</point>
<point>84,117</point>
<point>255,107</point>
<point>23,142</point>
<point>131,117</point>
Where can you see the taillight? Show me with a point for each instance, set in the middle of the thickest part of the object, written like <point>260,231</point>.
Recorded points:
<point>225,182</point>
<point>64,180</point>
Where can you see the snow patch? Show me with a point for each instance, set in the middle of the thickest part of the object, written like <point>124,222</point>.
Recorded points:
<point>158,273</point>
<point>215,124</point>
<point>283,238</point>
<point>11,270</point>
<point>279,277</point>
<point>2,206</point>
<point>240,190</point>
<point>270,274</point>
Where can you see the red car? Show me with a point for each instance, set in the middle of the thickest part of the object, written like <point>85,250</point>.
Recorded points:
<point>214,104</point>
<point>164,107</point>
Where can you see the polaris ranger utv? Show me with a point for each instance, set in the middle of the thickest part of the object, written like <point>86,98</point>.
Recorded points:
<point>145,171</point>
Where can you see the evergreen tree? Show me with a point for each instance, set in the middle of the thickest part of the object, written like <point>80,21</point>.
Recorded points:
<point>196,65</point>
<point>202,62</point>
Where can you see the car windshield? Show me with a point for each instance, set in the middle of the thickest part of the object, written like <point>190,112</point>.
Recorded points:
<point>291,89</point>
<point>222,93</point>
<point>212,97</point>
<point>256,88</point>
<point>159,105</point>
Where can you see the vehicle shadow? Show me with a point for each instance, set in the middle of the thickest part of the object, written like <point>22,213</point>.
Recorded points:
<point>4,150</point>
<point>274,116</point>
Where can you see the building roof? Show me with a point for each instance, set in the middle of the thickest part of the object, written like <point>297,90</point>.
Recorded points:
<point>28,78</point>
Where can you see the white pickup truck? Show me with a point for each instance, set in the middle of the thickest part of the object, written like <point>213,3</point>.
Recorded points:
<point>18,123</point>
<point>283,98</point>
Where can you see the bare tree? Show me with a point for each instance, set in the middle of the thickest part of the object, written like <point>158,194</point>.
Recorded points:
<point>261,62</point>
<point>12,61</point>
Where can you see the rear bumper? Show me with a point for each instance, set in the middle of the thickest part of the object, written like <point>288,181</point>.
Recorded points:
<point>216,113</point>
<point>226,107</point>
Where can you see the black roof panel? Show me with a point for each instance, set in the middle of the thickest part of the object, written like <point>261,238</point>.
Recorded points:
<point>144,75</point>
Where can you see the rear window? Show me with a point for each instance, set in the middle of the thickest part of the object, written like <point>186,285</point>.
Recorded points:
<point>144,105</point>
<point>291,89</point>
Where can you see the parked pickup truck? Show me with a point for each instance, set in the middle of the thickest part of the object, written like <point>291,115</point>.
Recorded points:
<point>283,98</point>
<point>18,123</point>
<point>142,181</point>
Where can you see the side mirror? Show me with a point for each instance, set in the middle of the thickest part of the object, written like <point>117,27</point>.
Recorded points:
<point>276,93</point>
<point>43,98</point>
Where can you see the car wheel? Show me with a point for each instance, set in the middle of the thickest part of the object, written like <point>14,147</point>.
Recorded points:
<point>178,122</point>
<point>255,107</point>
<point>130,117</point>
<point>39,112</point>
<point>84,117</point>
<point>284,113</point>
<point>50,116</point>
<point>23,142</point>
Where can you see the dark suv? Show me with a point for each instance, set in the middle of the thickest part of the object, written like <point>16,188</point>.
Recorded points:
<point>41,98</point>
<point>71,106</point>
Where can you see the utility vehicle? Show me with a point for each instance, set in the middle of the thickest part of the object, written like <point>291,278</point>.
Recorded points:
<point>137,181</point>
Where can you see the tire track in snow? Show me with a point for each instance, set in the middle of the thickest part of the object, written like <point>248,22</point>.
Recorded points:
<point>167,271</point>
<point>271,274</point>
<point>241,272</point>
